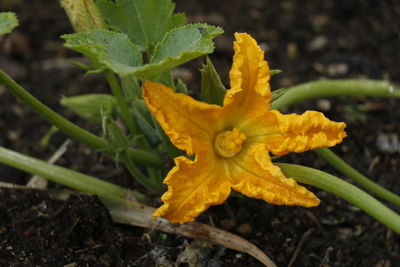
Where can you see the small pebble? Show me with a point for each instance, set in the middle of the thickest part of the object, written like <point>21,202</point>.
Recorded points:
<point>324,104</point>
<point>318,43</point>
<point>227,223</point>
<point>292,50</point>
<point>182,73</point>
<point>388,143</point>
<point>244,228</point>
<point>337,69</point>
<point>345,233</point>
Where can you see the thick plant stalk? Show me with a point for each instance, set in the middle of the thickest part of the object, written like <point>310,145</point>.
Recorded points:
<point>64,176</point>
<point>39,182</point>
<point>356,176</point>
<point>345,190</point>
<point>71,129</point>
<point>329,88</point>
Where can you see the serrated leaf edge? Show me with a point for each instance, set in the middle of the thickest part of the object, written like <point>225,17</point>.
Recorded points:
<point>103,52</point>
<point>141,70</point>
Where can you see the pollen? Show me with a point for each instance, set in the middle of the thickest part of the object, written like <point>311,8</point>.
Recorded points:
<point>229,143</point>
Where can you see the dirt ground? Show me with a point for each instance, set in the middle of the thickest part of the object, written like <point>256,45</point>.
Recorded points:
<point>307,40</point>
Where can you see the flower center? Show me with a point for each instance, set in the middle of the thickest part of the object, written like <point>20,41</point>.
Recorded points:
<point>229,143</point>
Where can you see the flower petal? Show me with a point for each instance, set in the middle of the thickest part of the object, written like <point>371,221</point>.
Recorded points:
<point>249,76</point>
<point>190,124</point>
<point>303,132</point>
<point>193,186</point>
<point>254,175</point>
<point>259,129</point>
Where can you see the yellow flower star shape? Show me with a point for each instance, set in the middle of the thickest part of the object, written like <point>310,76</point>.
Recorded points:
<point>232,143</point>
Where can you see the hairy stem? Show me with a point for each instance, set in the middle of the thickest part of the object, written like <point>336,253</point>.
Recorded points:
<point>344,190</point>
<point>356,176</point>
<point>329,88</point>
<point>61,175</point>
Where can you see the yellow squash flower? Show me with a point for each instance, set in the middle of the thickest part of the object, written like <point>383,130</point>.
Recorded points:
<point>232,143</point>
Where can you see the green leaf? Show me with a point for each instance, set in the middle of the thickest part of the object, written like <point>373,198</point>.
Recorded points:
<point>83,15</point>
<point>106,49</point>
<point>212,89</point>
<point>179,46</point>
<point>192,37</point>
<point>144,21</point>
<point>114,51</point>
<point>8,21</point>
<point>165,78</point>
<point>177,20</point>
<point>89,106</point>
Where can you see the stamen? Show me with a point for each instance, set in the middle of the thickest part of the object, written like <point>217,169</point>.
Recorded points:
<point>229,143</point>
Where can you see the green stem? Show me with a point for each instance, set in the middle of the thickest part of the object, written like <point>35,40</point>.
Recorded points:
<point>61,175</point>
<point>356,176</point>
<point>329,88</point>
<point>144,157</point>
<point>150,183</point>
<point>73,130</point>
<point>61,123</point>
<point>116,90</point>
<point>344,190</point>
<point>153,173</point>
<point>139,176</point>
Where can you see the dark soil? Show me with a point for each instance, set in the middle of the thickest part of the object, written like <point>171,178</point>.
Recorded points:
<point>308,40</point>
